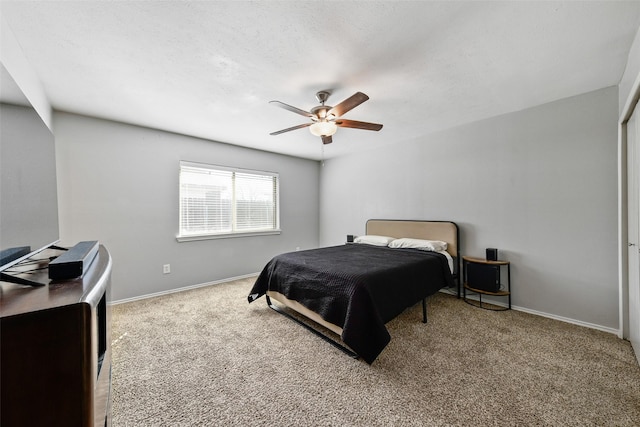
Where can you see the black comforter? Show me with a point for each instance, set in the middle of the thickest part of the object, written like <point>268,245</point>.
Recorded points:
<point>357,287</point>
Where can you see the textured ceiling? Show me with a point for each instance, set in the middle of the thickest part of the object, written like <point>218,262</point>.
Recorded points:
<point>209,69</point>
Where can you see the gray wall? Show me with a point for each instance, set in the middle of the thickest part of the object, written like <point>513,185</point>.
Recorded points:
<point>29,202</point>
<point>539,184</point>
<point>119,184</point>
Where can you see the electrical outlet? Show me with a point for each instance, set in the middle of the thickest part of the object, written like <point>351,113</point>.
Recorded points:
<point>166,269</point>
<point>297,248</point>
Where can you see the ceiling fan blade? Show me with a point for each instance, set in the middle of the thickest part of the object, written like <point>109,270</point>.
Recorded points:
<point>291,108</point>
<point>348,104</point>
<point>327,139</point>
<point>290,129</point>
<point>358,125</point>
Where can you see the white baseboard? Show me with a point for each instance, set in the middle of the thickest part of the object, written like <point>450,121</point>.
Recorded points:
<point>185,288</point>
<point>539,313</point>
<point>568,320</point>
<point>444,290</point>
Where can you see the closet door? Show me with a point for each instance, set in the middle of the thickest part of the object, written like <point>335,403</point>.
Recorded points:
<point>633,227</point>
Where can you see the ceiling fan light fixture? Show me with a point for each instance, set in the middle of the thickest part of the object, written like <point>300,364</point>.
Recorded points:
<point>323,128</point>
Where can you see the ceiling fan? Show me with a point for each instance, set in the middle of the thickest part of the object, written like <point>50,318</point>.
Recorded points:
<point>325,119</point>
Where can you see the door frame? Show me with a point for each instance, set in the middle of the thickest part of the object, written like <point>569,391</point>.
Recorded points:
<point>623,255</point>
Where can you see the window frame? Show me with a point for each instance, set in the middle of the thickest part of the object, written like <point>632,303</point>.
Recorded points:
<point>234,232</point>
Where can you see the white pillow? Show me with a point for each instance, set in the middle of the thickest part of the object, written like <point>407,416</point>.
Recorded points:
<point>372,239</point>
<point>425,245</point>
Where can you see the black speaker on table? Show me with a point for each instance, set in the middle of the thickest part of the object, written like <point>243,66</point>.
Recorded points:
<point>492,254</point>
<point>349,238</point>
<point>484,277</point>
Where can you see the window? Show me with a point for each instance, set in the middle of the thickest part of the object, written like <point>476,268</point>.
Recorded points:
<point>217,201</point>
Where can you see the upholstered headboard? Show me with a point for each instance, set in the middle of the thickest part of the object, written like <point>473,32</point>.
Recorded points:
<point>431,230</point>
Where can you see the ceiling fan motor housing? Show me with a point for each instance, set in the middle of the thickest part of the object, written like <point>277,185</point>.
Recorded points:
<point>320,112</point>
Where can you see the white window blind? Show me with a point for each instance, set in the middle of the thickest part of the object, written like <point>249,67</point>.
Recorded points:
<point>220,201</point>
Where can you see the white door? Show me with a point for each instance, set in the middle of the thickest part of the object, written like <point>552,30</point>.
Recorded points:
<point>633,200</point>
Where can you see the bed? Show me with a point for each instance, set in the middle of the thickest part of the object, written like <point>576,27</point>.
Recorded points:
<point>354,289</point>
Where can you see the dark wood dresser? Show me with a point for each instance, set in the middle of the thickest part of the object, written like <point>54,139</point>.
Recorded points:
<point>55,350</point>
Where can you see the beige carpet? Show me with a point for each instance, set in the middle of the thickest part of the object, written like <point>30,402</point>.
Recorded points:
<point>206,357</point>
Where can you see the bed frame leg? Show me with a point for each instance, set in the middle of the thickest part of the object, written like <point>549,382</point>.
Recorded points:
<point>424,310</point>
<point>340,347</point>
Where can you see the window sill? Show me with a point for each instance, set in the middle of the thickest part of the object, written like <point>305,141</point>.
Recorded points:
<point>195,237</point>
